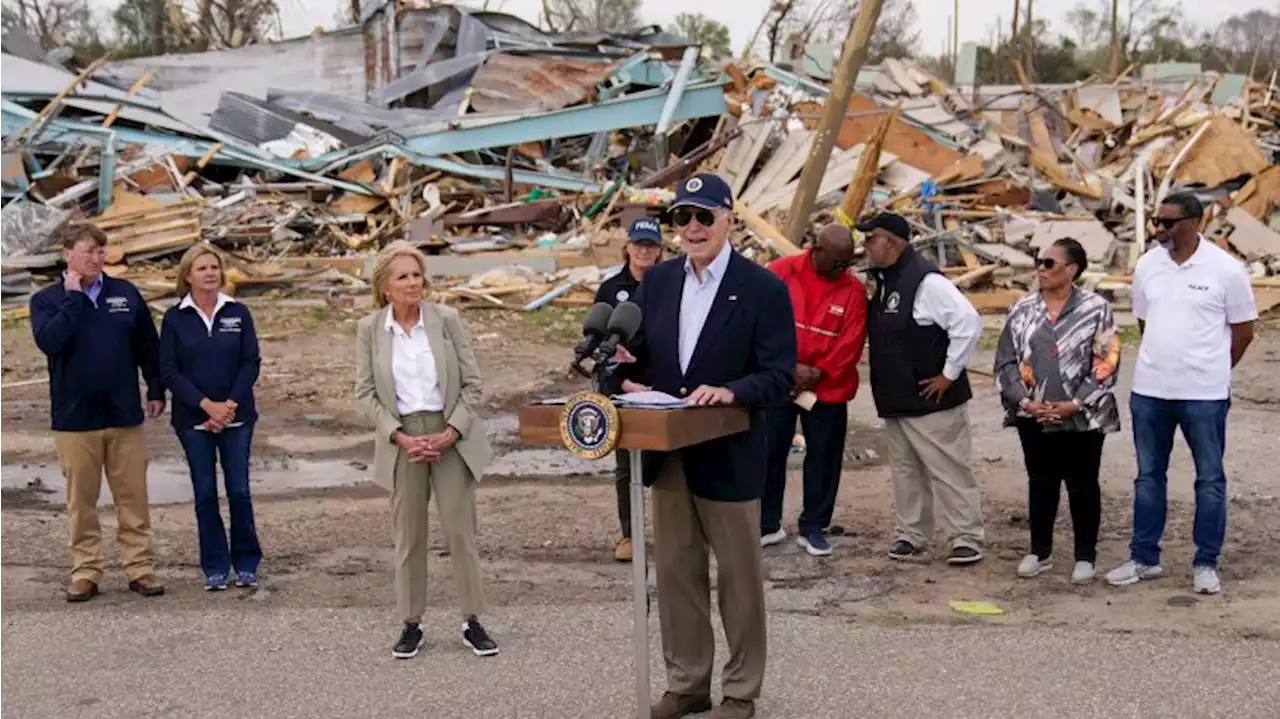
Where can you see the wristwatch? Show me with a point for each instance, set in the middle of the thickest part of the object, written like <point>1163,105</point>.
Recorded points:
<point>1076,402</point>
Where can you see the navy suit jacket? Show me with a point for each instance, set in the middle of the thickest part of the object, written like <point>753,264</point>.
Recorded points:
<point>748,344</point>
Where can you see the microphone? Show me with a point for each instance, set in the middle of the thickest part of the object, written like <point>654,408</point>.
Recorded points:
<point>623,325</point>
<point>594,329</point>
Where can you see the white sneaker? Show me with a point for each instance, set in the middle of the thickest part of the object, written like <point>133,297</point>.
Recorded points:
<point>1206,581</point>
<point>1083,573</point>
<point>1032,566</point>
<point>773,538</point>
<point>1132,572</point>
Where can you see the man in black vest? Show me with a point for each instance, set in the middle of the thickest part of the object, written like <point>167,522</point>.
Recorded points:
<point>922,332</point>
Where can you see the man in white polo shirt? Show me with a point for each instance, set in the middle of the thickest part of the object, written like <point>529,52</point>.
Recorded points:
<point>1195,308</point>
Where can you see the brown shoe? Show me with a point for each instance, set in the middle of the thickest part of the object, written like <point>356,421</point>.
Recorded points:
<point>147,586</point>
<point>81,590</point>
<point>674,706</point>
<point>622,552</point>
<point>732,708</point>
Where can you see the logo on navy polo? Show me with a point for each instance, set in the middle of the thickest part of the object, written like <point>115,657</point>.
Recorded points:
<point>117,304</point>
<point>228,324</point>
<point>623,295</point>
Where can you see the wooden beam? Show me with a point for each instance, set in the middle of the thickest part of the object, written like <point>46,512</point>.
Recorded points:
<point>852,57</point>
<point>855,195</point>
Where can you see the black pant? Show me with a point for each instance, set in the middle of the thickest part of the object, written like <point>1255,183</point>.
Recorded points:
<point>622,483</point>
<point>1053,458</point>
<point>824,429</point>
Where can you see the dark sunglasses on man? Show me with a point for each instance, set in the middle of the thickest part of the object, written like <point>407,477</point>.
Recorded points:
<point>1046,263</point>
<point>1167,222</point>
<point>682,216</point>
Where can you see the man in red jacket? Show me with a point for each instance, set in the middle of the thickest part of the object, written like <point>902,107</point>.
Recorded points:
<point>830,306</point>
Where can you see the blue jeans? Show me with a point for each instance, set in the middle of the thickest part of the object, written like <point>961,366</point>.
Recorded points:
<point>1204,426</point>
<point>203,450</point>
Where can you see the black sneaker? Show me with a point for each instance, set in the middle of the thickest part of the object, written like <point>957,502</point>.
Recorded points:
<point>964,555</point>
<point>477,639</point>
<point>410,642</point>
<point>904,551</point>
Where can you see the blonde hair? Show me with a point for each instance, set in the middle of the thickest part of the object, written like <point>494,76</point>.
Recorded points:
<point>189,258</point>
<point>382,268</point>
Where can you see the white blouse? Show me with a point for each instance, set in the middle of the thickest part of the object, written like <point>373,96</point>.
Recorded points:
<point>413,367</point>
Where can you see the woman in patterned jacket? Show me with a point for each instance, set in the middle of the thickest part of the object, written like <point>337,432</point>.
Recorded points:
<point>1056,370</point>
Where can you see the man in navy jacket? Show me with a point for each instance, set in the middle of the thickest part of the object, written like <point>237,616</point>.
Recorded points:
<point>97,333</point>
<point>717,330</point>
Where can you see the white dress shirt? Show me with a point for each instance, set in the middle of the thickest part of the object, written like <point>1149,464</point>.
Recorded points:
<point>223,299</point>
<point>1188,310</point>
<point>939,302</point>
<point>695,301</point>
<point>413,367</point>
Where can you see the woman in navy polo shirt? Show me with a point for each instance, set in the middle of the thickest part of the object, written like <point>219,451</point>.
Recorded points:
<point>209,361</point>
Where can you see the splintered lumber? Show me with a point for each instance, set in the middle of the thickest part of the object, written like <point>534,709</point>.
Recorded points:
<point>757,224</point>
<point>852,56</point>
<point>204,160</point>
<point>855,195</point>
<point>150,229</point>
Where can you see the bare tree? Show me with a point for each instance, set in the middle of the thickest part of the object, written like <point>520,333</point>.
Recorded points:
<point>212,24</point>
<point>52,23</point>
<point>567,15</point>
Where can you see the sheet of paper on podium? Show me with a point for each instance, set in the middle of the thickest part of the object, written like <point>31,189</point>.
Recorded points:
<point>649,399</point>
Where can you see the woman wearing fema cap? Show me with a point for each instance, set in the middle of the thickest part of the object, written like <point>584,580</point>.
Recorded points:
<point>419,383</point>
<point>642,251</point>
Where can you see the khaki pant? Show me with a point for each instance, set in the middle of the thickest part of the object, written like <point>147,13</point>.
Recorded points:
<point>122,452</point>
<point>930,456</point>
<point>455,491</point>
<point>683,527</point>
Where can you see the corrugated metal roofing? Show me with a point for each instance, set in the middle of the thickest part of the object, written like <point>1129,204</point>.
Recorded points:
<point>513,83</point>
<point>25,78</point>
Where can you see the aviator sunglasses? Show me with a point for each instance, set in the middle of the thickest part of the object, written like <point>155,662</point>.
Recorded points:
<point>682,216</point>
<point>1046,263</point>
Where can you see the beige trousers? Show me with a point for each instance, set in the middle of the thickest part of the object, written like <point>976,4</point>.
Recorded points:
<point>930,457</point>
<point>455,492</point>
<point>122,452</point>
<point>683,527</point>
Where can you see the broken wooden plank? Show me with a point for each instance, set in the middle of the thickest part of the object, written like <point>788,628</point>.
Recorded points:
<point>781,167</point>
<point>781,245</point>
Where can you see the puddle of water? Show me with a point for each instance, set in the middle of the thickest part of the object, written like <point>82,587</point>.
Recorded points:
<point>169,482</point>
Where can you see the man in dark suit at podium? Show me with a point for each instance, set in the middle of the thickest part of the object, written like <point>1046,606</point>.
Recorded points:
<point>717,330</point>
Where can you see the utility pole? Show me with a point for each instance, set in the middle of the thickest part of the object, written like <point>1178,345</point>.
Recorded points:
<point>1031,42</point>
<point>1016,7</point>
<point>1115,38</point>
<point>955,41</point>
<point>852,56</point>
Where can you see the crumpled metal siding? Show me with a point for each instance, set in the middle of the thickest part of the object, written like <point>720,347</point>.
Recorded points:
<point>510,82</point>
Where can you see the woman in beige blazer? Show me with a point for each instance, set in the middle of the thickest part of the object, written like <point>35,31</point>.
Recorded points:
<point>418,382</point>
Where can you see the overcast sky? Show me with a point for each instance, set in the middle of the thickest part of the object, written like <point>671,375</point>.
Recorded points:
<point>977,17</point>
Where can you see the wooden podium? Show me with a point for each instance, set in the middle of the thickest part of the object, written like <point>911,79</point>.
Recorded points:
<point>660,430</point>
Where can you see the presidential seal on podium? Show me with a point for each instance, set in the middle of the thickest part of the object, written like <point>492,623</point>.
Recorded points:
<point>589,425</point>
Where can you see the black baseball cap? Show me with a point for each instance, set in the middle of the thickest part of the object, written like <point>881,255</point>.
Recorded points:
<point>889,222</point>
<point>705,190</point>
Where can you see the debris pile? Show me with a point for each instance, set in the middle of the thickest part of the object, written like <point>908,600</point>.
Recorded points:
<point>516,158</point>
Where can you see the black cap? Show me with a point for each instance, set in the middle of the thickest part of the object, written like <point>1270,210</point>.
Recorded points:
<point>889,222</point>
